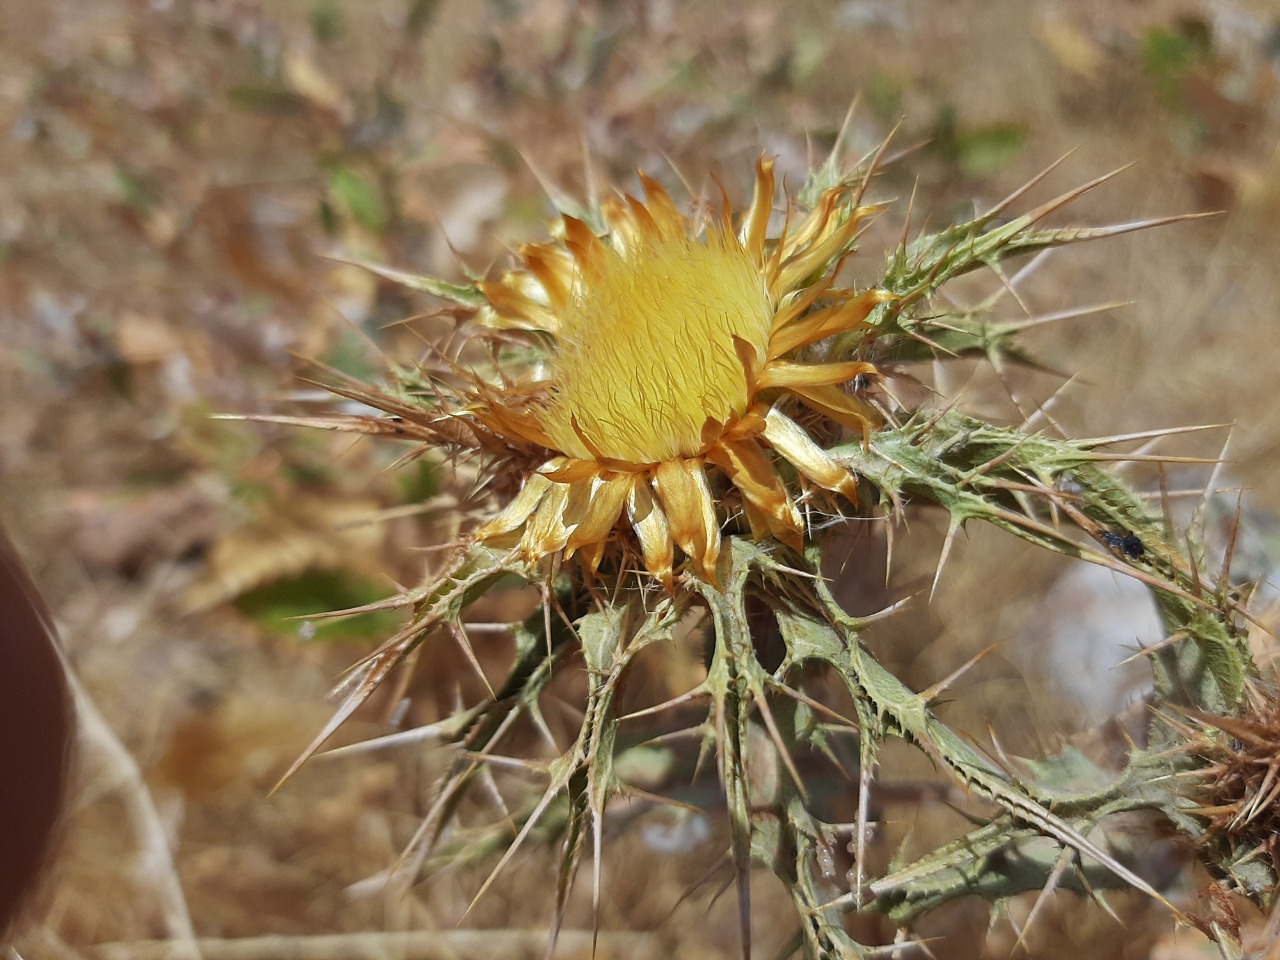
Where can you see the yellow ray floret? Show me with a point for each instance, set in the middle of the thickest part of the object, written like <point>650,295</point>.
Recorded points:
<point>677,350</point>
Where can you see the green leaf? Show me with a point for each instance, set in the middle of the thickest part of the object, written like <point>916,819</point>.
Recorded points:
<point>359,196</point>
<point>1169,53</point>
<point>419,481</point>
<point>267,97</point>
<point>987,150</point>
<point>318,591</point>
<point>327,24</point>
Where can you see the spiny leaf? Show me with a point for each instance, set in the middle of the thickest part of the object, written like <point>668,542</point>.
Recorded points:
<point>464,295</point>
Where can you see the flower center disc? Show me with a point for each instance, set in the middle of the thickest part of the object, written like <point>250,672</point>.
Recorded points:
<point>646,352</point>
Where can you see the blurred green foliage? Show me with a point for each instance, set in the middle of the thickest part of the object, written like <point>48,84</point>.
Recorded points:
<point>281,606</point>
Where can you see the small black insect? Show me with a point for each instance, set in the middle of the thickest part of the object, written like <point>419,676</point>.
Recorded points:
<point>1124,542</point>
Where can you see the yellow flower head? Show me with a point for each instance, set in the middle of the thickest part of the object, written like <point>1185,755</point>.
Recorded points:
<point>676,348</point>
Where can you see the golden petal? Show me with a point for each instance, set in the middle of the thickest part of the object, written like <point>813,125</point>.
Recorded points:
<point>840,407</point>
<point>794,305</point>
<point>756,520</point>
<point>773,263</point>
<point>569,469</point>
<point>644,219</point>
<point>669,221</point>
<point>797,447</point>
<point>783,373</point>
<point>750,358</point>
<point>625,231</point>
<point>591,554</point>
<point>782,531</point>
<point>750,424</point>
<point>810,260</point>
<point>545,532</point>
<point>826,322</point>
<point>593,520</point>
<point>726,214</point>
<point>691,512</point>
<point>509,422</point>
<point>518,510</point>
<point>510,308</point>
<point>553,266</point>
<point>756,222</point>
<point>810,329</point>
<point>816,226</point>
<point>582,243</point>
<point>749,469</point>
<point>652,530</point>
<point>527,284</point>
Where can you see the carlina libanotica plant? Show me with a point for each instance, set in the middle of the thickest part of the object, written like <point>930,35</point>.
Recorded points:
<point>668,415</point>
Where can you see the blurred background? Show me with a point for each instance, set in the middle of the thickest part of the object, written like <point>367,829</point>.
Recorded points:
<point>175,177</point>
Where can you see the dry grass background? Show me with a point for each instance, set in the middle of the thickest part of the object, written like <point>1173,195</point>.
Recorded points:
<point>173,172</point>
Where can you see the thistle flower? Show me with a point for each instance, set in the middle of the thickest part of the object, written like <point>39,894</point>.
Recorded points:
<point>676,380</point>
<point>676,346</point>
